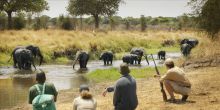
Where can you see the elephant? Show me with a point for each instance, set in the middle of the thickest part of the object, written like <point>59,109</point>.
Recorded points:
<point>24,59</point>
<point>130,58</point>
<point>107,57</point>
<point>83,58</point>
<point>186,49</point>
<point>192,42</point>
<point>139,52</point>
<point>34,50</point>
<point>161,55</point>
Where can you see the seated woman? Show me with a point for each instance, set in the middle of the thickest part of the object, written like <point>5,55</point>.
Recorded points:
<point>85,101</point>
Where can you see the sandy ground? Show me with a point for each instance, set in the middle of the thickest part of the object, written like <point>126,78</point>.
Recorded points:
<point>205,94</point>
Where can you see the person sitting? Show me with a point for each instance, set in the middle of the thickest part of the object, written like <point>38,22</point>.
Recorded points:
<point>85,101</point>
<point>175,81</point>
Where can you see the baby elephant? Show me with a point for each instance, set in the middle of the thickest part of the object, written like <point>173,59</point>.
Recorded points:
<point>161,55</point>
<point>130,59</point>
<point>107,57</point>
<point>24,59</point>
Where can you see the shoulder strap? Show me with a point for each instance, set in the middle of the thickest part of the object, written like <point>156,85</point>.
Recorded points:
<point>38,89</point>
<point>43,89</point>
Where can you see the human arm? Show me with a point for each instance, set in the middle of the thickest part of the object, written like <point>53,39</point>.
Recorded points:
<point>117,96</point>
<point>30,96</point>
<point>108,89</point>
<point>55,93</point>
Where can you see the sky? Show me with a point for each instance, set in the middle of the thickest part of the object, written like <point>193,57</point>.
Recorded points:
<point>132,8</point>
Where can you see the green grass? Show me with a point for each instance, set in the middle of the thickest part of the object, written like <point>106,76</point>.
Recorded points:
<point>113,74</point>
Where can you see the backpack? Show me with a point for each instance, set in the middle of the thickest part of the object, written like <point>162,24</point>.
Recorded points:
<point>43,101</point>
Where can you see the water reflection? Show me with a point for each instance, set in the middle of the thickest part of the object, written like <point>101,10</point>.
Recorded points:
<point>14,91</point>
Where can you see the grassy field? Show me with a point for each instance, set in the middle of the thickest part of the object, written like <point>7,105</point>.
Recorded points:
<point>113,74</point>
<point>119,42</point>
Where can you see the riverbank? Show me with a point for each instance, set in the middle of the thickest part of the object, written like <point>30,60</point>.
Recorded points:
<point>120,42</point>
<point>205,94</point>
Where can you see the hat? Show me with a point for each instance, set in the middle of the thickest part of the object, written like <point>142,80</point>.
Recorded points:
<point>169,61</point>
<point>83,87</point>
<point>124,68</point>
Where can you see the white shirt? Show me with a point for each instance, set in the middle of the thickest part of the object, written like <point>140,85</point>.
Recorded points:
<point>84,104</point>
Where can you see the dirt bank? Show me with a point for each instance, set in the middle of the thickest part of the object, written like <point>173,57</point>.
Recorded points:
<point>212,61</point>
<point>205,94</point>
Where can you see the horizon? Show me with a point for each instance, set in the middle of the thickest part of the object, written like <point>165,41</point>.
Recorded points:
<point>131,8</point>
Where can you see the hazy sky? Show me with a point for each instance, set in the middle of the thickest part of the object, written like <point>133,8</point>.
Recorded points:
<point>135,8</point>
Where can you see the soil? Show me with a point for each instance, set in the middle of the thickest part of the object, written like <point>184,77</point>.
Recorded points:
<point>205,94</point>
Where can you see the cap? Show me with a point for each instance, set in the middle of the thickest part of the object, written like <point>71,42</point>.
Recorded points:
<point>83,87</point>
<point>124,68</point>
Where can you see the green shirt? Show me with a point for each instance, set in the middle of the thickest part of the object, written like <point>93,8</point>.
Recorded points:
<point>49,89</point>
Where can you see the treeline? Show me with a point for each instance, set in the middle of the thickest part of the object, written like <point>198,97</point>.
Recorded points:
<point>23,20</point>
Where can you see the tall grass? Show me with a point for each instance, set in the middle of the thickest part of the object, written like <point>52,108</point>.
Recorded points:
<point>94,42</point>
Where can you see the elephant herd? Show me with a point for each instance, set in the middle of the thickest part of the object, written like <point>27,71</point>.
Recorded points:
<point>24,56</point>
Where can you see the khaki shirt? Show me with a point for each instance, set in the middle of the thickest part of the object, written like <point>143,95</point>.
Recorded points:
<point>177,75</point>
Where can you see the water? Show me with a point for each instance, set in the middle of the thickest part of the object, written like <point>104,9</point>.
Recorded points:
<point>14,83</point>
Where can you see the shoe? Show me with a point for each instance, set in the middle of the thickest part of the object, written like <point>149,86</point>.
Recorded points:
<point>171,100</point>
<point>184,98</point>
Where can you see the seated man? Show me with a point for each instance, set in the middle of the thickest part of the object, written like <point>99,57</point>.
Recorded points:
<point>175,81</point>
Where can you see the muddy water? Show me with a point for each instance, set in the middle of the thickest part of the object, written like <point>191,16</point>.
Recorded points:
<point>14,84</point>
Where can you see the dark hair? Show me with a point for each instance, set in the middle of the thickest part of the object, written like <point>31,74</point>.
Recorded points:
<point>85,94</point>
<point>170,65</point>
<point>40,77</point>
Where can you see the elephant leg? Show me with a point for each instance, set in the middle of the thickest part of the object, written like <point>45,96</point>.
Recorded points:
<point>139,62</point>
<point>15,62</point>
<point>104,62</point>
<point>111,62</point>
<point>20,65</point>
<point>86,63</point>
<point>81,64</point>
<point>107,62</point>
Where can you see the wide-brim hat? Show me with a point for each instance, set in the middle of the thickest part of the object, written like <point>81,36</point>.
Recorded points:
<point>124,69</point>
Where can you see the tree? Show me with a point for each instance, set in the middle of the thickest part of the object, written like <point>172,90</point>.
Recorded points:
<point>208,17</point>
<point>3,21</point>
<point>94,8</point>
<point>143,23</point>
<point>10,6</point>
<point>19,21</point>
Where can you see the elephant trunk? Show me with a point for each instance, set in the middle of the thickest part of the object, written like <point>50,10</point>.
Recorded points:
<point>146,59</point>
<point>41,59</point>
<point>74,63</point>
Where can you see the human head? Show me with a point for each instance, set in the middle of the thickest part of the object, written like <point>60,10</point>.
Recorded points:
<point>169,63</point>
<point>124,68</point>
<point>40,77</point>
<point>84,92</point>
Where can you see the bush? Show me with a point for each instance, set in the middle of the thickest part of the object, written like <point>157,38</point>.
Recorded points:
<point>67,24</point>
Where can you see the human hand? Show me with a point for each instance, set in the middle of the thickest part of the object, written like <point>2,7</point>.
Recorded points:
<point>157,76</point>
<point>104,93</point>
